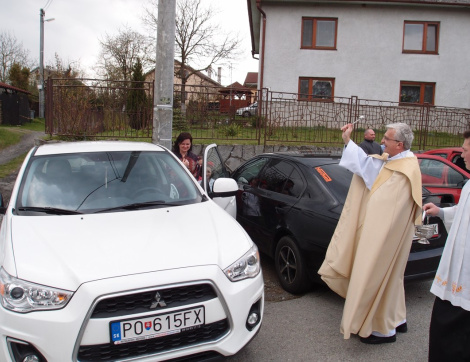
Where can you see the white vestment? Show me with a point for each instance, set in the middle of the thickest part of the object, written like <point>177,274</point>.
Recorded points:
<point>452,280</point>
<point>365,166</point>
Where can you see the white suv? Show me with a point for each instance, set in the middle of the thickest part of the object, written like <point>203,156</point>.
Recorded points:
<point>112,251</point>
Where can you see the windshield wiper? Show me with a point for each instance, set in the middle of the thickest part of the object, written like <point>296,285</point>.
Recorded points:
<point>49,210</point>
<point>138,205</point>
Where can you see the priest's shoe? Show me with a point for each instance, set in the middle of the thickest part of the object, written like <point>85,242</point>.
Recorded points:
<point>378,340</point>
<point>402,328</point>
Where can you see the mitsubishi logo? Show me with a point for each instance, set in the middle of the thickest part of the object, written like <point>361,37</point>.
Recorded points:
<point>158,302</point>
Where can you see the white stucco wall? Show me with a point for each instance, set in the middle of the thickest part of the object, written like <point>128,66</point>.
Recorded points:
<point>368,62</point>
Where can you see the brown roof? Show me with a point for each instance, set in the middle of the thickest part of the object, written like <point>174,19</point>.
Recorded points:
<point>251,79</point>
<point>235,88</point>
<point>7,86</point>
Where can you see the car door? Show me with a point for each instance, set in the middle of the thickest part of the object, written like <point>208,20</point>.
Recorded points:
<point>248,208</point>
<point>214,172</point>
<point>280,186</point>
<point>438,177</point>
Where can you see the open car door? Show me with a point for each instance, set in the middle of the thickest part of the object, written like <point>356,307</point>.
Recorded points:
<point>216,181</point>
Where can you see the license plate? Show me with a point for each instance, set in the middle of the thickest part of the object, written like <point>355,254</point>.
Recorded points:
<point>158,325</point>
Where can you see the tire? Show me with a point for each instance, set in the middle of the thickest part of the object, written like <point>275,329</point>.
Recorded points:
<point>290,266</point>
<point>246,114</point>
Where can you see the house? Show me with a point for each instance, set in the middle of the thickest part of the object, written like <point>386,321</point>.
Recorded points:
<point>251,81</point>
<point>14,105</point>
<point>411,52</point>
<point>34,76</point>
<point>198,80</point>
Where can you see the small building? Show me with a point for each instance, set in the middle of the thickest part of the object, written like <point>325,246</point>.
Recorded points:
<point>235,96</point>
<point>14,105</point>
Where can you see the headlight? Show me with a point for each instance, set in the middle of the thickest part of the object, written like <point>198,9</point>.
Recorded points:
<point>247,266</point>
<point>23,297</point>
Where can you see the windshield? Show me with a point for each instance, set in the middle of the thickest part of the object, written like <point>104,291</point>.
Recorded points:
<point>100,181</point>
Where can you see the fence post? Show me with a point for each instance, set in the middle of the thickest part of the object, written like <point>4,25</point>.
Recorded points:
<point>264,102</point>
<point>49,116</point>
<point>423,127</point>
<point>353,113</point>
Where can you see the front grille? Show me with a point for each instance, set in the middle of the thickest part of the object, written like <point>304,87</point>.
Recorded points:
<point>140,302</point>
<point>111,352</point>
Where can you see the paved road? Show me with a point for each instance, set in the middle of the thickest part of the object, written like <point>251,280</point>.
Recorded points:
<point>307,329</point>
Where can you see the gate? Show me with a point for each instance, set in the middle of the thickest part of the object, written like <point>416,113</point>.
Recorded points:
<point>91,108</point>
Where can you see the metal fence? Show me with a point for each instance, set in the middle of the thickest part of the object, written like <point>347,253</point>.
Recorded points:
<point>94,108</point>
<point>289,119</point>
<point>99,108</point>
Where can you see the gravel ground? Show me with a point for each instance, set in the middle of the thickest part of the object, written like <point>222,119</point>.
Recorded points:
<point>272,289</point>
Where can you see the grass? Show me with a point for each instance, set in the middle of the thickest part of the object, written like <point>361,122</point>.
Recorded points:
<point>12,166</point>
<point>10,135</point>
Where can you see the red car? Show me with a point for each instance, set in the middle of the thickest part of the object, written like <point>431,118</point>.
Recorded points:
<point>453,154</point>
<point>439,175</point>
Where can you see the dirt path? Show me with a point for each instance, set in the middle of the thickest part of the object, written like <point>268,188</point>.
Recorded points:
<point>6,155</point>
<point>25,144</point>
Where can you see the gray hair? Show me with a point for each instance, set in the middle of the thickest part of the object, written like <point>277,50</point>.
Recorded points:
<point>403,133</point>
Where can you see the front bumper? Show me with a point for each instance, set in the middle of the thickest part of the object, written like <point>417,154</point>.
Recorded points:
<point>76,333</point>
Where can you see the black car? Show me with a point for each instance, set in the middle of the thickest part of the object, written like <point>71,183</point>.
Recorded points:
<point>290,203</point>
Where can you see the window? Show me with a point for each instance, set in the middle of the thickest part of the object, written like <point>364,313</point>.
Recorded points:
<point>436,173</point>
<point>420,37</point>
<point>294,184</point>
<point>276,175</point>
<point>417,92</point>
<point>316,88</point>
<point>249,172</point>
<point>319,33</point>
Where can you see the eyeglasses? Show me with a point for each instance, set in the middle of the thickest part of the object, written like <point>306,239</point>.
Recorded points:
<point>390,139</point>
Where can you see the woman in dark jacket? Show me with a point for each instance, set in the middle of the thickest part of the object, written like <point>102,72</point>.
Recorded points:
<point>182,148</point>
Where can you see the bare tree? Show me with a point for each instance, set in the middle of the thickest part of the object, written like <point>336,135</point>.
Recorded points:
<point>119,53</point>
<point>200,43</point>
<point>11,52</point>
<point>65,68</point>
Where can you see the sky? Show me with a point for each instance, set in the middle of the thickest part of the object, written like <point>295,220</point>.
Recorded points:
<point>78,26</point>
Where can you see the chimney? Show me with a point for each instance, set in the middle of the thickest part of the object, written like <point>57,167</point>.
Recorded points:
<point>209,72</point>
<point>219,75</point>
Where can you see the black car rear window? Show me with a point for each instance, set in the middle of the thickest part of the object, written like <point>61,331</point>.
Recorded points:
<point>336,178</point>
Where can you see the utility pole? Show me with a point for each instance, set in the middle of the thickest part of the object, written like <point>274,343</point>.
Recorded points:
<point>164,74</point>
<point>41,62</point>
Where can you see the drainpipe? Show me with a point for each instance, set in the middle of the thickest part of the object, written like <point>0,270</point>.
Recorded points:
<point>263,38</point>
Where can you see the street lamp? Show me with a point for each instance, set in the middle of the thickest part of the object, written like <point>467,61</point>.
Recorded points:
<point>41,62</point>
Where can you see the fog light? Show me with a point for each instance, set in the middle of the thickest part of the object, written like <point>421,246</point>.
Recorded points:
<point>31,358</point>
<point>253,318</point>
<point>22,351</point>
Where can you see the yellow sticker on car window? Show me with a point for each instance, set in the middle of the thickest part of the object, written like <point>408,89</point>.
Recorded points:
<point>323,174</point>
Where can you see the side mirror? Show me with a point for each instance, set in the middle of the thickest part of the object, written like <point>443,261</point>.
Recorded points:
<point>224,187</point>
